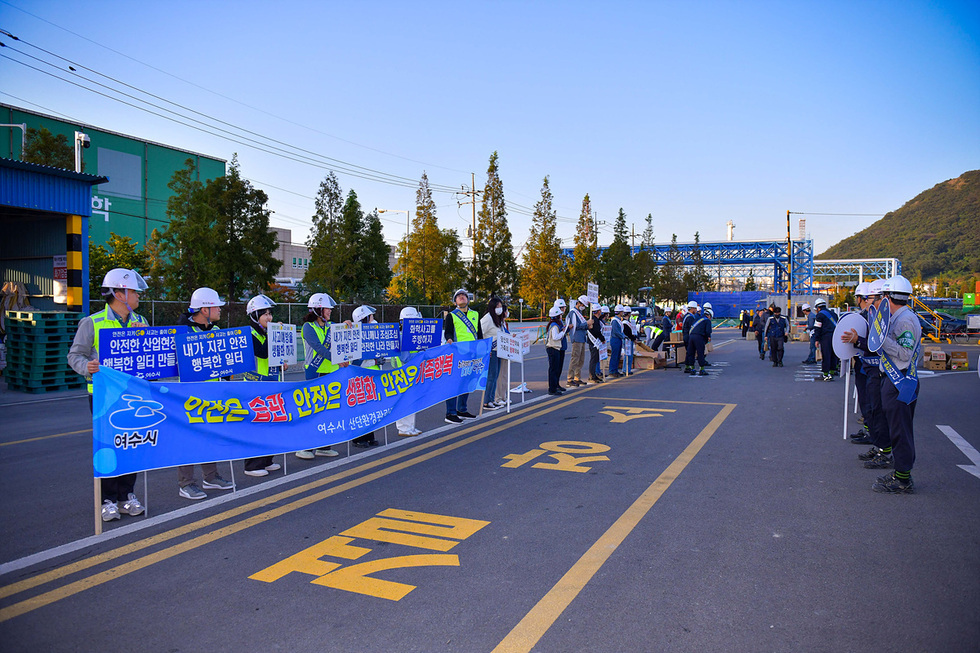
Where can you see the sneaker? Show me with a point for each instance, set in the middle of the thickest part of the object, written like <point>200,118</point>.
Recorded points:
<point>615,375</point>
<point>500,403</point>
<point>775,364</point>
<point>453,419</point>
<point>780,363</point>
<point>881,461</point>
<point>560,390</point>
<point>407,434</point>
<point>256,472</point>
<point>861,433</point>
<point>325,452</point>
<point>192,492</point>
<point>864,439</point>
<point>218,483</point>
<point>109,510</point>
<point>416,432</point>
<point>491,407</point>
<point>891,485</point>
<point>466,415</point>
<point>701,373</point>
<point>272,467</point>
<point>869,454</point>
<point>132,506</point>
<point>762,357</point>
<point>553,393</point>
<point>688,370</point>
<point>828,377</point>
<point>305,455</point>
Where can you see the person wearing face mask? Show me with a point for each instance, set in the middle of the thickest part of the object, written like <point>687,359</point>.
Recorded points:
<point>578,326</point>
<point>490,324</point>
<point>502,387</point>
<point>460,325</point>
<point>365,315</point>
<point>555,345</point>
<point>562,307</point>
<point>259,309</point>
<point>205,308</point>
<point>122,296</point>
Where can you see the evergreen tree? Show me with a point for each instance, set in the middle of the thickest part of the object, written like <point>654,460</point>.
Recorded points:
<point>671,286</point>
<point>584,267</point>
<point>647,240</point>
<point>45,148</point>
<point>750,282</point>
<point>494,270</point>
<point>617,264</point>
<point>185,260</point>
<point>644,262</point>
<point>119,252</point>
<point>452,270</point>
<point>375,255</point>
<point>540,275</point>
<point>421,259</point>
<point>323,274</point>
<point>699,279</point>
<point>348,254</point>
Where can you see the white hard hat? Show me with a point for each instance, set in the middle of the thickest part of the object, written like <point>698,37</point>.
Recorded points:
<point>409,313</point>
<point>707,305</point>
<point>258,303</point>
<point>461,291</point>
<point>692,304</point>
<point>819,302</point>
<point>204,298</point>
<point>555,311</point>
<point>683,310</point>
<point>805,307</point>
<point>560,303</point>
<point>619,308</point>
<point>897,285</point>
<point>709,310</point>
<point>124,278</point>
<point>862,289</point>
<point>604,309</point>
<point>362,313</point>
<point>583,300</point>
<point>321,300</point>
<point>874,288</point>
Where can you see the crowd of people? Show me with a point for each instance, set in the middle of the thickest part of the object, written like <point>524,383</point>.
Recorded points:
<point>887,421</point>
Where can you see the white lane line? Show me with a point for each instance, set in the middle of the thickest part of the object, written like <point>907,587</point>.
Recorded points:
<point>965,447</point>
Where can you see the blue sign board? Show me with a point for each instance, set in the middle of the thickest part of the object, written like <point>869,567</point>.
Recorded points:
<point>206,355</point>
<point>421,333</point>
<point>380,340</point>
<point>145,352</point>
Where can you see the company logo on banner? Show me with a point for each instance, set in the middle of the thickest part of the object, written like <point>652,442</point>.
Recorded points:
<point>380,340</point>
<point>419,334</point>
<point>139,425</point>
<point>148,353</point>
<point>205,355</point>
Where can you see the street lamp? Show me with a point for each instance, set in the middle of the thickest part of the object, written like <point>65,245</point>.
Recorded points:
<point>408,229</point>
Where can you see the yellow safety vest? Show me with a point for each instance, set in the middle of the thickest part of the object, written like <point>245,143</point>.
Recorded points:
<point>463,333</point>
<point>261,364</point>
<point>101,320</point>
<point>326,365</point>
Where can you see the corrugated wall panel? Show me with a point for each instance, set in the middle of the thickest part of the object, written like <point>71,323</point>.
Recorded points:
<point>29,190</point>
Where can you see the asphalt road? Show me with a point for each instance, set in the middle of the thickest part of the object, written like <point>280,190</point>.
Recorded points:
<point>657,512</point>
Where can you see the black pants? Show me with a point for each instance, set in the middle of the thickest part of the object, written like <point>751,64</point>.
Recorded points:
<point>745,329</point>
<point>776,349</point>
<point>117,488</point>
<point>255,464</point>
<point>554,368</point>
<point>561,364</point>
<point>759,339</point>
<point>830,360</point>
<point>874,419</point>
<point>594,372</point>
<point>659,340</point>
<point>861,383</point>
<point>899,416</point>
<point>695,350</point>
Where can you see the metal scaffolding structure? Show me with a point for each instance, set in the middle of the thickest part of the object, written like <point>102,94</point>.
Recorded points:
<point>871,268</point>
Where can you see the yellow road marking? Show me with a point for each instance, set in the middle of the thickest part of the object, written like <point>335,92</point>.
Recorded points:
<point>44,437</point>
<point>542,616</point>
<point>95,580</point>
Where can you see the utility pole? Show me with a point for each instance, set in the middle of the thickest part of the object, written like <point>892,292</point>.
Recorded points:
<point>473,193</point>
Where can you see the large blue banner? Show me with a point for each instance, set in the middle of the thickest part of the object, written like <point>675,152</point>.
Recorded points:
<point>139,425</point>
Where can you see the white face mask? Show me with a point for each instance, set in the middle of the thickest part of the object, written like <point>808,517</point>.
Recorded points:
<point>499,310</point>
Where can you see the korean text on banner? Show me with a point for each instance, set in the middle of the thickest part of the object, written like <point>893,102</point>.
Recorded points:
<point>139,425</point>
<point>205,355</point>
<point>282,344</point>
<point>419,334</point>
<point>510,346</point>
<point>593,293</point>
<point>380,340</point>
<point>345,343</point>
<point>148,353</point>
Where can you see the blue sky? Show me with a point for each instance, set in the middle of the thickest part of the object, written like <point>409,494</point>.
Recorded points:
<point>696,112</point>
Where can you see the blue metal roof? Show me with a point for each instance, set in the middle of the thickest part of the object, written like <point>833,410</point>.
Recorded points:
<point>44,188</point>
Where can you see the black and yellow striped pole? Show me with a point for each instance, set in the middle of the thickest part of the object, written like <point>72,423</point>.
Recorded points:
<point>76,264</point>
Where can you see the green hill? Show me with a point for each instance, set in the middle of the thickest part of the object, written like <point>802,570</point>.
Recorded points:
<point>936,232</point>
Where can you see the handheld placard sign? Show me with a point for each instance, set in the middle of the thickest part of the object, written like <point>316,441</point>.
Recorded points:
<point>146,353</point>
<point>879,328</point>
<point>207,355</point>
<point>345,343</point>
<point>380,340</point>
<point>282,344</point>
<point>419,334</point>
<point>845,350</point>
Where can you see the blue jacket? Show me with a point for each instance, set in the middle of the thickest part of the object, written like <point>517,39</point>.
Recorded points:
<point>577,327</point>
<point>701,327</point>
<point>824,324</point>
<point>617,330</point>
<point>777,327</point>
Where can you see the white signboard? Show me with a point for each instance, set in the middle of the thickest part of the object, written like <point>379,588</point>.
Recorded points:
<point>525,342</point>
<point>510,346</point>
<point>603,351</point>
<point>607,332</point>
<point>345,343</point>
<point>282,344</point>
<point>593,293</point>
<point>973,321</point>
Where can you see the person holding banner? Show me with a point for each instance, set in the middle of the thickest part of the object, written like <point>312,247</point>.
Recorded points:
<point>595,338</point>
<point>259,309</point>
<point>365,315</point>
<point>577,327</point>
<point>900,389</point>
<point>122,296</point>
<point>823,332</point>
<point>461,325</point>
<point>406,425</point>
<point>316,339</point>
<point>205,308</point>
<point>491,323</point>
<point>555,345</point>
<point>562,306</point>
<point>616,341</point>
